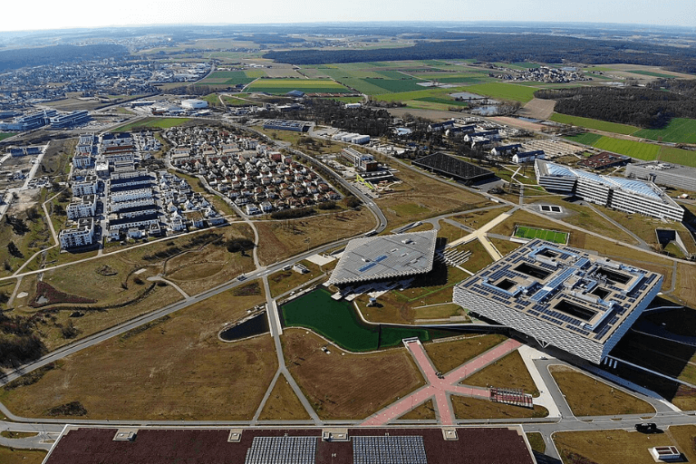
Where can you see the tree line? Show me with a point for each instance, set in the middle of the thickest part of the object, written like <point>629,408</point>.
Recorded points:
<point>651,107</point>
<point>15,59</point>
<point>510,48</point>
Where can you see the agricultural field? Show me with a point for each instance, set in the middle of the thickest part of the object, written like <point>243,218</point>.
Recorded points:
<point>679,130</point>
<point>678,156</point>
<point>502,91</point>
<point>653,74</point>
<point>595,124</point>
<point>174,368</point>
<point>152,123</point>
<point>639,150</point>
<point>544,234</point>
<point>376,379</point>
<point>283,86</point>
<point>229,78</point>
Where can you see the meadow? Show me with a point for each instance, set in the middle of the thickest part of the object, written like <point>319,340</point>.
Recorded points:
<point>503,91</point>
<point>679,130</point>
<point>594,124</point>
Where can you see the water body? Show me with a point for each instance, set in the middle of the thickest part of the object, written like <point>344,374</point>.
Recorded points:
<point>338,322</point>
<point>467,96</point>
<point>257,325</point>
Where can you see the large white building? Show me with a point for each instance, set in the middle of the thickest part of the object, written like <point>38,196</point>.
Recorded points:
<point>559,296</point>
<point>87,185</point>
<point>194,104</point>
<point>130,195</point>
<point>671,175</point>
<point>77,234</point>
<point>82,207</point>
<point>631,196</point>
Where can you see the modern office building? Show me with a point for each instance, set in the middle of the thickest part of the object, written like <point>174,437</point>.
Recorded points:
<point>386,257</point>
<point>71,119</point>
<point>559,296</point>
<point>453,167</point>
<point>628,195</point>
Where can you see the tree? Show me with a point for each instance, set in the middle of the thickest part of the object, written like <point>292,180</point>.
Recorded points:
<point>14,251</point>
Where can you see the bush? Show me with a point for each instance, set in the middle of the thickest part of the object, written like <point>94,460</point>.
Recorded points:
<point>353,202</point>
<point>70,409</point>
<point>327,205</point>
<point>293,213</point>
<point>239,245</point>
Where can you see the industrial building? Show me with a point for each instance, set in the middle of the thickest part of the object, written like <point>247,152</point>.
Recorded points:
<point>282,124</point>
<point>453,167</point>
<point>386,257</point>
<point>631,196</point>
<point>71,119</point>
<point>361,161</point>
<point>559,296</point>
<point>669,175</point>
<point>394,445</point>
<point>29,122</point>
<point>194,104</point>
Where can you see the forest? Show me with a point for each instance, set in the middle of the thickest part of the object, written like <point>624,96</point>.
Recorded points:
<point>15,59</point>
<point>652,107</point>
<point>510,48</point>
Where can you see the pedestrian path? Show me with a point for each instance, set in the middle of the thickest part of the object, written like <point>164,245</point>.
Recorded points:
<point>439,386</point>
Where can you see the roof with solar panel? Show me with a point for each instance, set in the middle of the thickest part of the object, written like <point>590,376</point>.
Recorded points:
<point>386,257</point>
<point>558,287</point>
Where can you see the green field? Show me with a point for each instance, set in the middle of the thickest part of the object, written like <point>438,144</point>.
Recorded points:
<point>586,139</point>
<point>153,123</point>
<point>544,234</point>
<point>395,86</point>
<point>679,130</point>
<point>4,135</point>
<point>640,150</point>
<point>227,78</point>
<point>255,73</point>
<point>502,91</point>
<point>654,74</point>
<point>678,156</point>
<point>594,124</point>
<point>337,321</point>
<point>283,86</point>
<point>444,101</point>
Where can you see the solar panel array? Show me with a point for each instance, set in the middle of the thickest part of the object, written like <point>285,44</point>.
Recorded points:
<point>389,450</point>
<point>282,450</point>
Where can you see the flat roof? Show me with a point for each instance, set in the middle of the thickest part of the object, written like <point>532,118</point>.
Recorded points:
<point>454,167</point>
<point>386,257</point>
<point>661,166</point>
<point>473,445</point>
<point>588,295</point>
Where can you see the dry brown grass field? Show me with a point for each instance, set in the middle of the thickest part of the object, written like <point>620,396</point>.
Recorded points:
<point>282,239</point>
<point>474,408</point>
<point>507,372</point>
<point>344,385</point>
<point>587,396</point>
<point>424,411</point>
<point>283,404</point>
<point>18,456</point>
<point>175,368</point>
<point>450,354</point>
<point>284,281</point>
<point>609,447</point>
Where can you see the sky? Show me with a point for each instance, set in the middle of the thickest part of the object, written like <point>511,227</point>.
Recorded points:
<point>63,14</point>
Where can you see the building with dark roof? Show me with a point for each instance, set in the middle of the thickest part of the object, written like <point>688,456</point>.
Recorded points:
<point>604,160</point>
<point>470,445</point>
<point>453,167</point>
<point>580,303</point>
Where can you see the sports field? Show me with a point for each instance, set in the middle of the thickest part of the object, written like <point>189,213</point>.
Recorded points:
<point>501,91</point>
<point>338,322</point>
<point>283,86</point>
<point>679,130</point>
<point>594,124</point>
<point>544,234</point>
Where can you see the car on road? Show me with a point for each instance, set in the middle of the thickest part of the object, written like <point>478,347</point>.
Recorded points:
<point>647,427</point>
<point>241,278</point>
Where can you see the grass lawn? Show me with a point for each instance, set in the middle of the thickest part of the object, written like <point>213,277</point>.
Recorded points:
<point>608,447</point>
<point>589,397</point>
<point>283,404</point>
<point>447,355</point>
<point>640,150</point>
<point>478,219</point>
<point>475,408</point>
<point>679,130</point>
<point>685,436</point>
<point>587,138</point>
<point>536,441</point>
<point>507,372</point>
<point>153,123</point>
<point>503,91</point>
<point>5,135</point>
<point>343,385</point>
<point>19,456</point>
<point>425,411</point>
<point>175,368</point>
<point>594,124</point>
<point>544,234</point>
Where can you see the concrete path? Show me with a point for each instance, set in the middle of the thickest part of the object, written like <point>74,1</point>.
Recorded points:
<point>441,387</point>
<point>545,399</point>
<point>480,234</point>
<point>169,282</point>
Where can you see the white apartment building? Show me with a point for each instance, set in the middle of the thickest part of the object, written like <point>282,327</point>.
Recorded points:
<point>82,207</point>
<point>80,233</point>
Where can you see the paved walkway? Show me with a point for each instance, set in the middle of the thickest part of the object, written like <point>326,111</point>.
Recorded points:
<point>439,388</point>
<point>480,234</point>
<point>545,399</point>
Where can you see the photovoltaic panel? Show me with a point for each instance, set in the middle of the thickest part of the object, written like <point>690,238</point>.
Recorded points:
<point>282,450</point>
<point>389,450</point>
